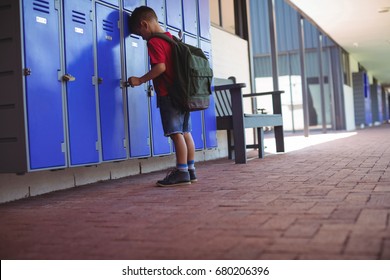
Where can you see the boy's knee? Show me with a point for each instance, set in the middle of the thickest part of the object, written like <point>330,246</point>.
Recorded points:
<point>176,136</point>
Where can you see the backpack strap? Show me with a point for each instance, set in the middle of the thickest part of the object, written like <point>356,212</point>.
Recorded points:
<point>165,37</point>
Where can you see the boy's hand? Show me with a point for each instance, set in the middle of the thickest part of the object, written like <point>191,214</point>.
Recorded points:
<point>134,81</point>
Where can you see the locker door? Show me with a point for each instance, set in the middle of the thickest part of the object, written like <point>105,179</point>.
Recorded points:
<point>196,117</point>
<point>137,99</point>
<point>210,124</point>
<point>190,16</point>
<point>174,13</point>
<point>81,101</point>
<point>112,2</point>
<point>159,7</point>
<point>132,4</point>
<point>112,122</point>
<point>204,19</point>
<point>43,88</point>
<point>161,145</point>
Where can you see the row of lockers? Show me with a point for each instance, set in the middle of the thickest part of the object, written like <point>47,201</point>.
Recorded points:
<point>369,101</point>
<point>186,15</point>
<point>74,57</point>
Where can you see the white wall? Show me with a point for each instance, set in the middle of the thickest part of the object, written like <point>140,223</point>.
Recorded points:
<point>349,108</point>
<point>231,58</point>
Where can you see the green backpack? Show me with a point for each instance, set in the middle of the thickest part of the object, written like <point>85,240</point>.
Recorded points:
<point>191,89</point>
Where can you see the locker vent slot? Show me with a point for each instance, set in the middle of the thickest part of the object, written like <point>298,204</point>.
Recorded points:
<point>41,6</point>
<point>6,73</point>
<point>108,26</point>
<point>6,40</point>
<point>78,17</point>
<point>7,106</point>
<point>5,7</point>
<point>8,140</point>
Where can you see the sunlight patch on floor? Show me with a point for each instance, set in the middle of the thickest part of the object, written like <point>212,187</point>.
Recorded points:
<point>295,143</point>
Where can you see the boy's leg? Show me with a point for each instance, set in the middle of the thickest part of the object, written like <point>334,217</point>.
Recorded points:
<point>181,150</point>
<point>180,176</point>
<point>175,123</point>
<point>190,156</point>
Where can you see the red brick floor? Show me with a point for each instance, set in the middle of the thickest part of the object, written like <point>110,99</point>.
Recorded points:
<point>326,201</point>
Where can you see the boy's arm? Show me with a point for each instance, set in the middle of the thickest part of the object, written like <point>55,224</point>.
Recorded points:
<point>156,71</point>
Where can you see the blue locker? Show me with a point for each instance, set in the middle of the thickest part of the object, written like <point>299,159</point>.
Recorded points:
<point>159,7</point>
<point>112,2</point>
<point>204,19</point>
<point>81,101</point>
<point>190,9</point>
<point>174,14</point>
<point>210,124</point>
<point>43,89</point>
<point>137,99</point>
<point>132,4</point>
<point>196,117</point>
<point>112,122</point>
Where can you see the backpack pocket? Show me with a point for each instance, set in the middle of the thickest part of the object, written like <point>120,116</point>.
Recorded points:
<point>201,81</point>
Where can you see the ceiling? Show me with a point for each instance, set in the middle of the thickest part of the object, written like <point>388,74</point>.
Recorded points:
<point>357,26</point>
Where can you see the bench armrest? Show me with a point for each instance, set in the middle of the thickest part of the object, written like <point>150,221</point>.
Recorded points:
<point>263,93</point>
<point>230,86</point>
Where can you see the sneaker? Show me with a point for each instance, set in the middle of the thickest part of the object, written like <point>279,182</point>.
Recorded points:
<point>193,178</point>
<point>175,178</point>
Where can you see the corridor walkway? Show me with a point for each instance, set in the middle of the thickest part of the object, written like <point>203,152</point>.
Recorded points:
<point>328,197</point>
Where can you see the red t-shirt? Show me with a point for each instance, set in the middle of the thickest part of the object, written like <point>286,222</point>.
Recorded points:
<point>160,51</point>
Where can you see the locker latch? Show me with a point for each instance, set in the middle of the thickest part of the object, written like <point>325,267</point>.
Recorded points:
<point>125,84</point>
<point>150,90</point>
<point>68,78</point>
<point>27,71</point>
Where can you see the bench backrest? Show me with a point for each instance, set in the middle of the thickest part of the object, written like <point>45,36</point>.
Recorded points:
<point>223,101</point>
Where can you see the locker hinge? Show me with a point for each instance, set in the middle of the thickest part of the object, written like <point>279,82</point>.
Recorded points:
<point>63,147</point>
<point>96,80</point>
<point>57,4</point>
<point>119,24</point>
<point>124,143</point>
<point>97,145</point>
<point>148,141</point>
<point>59,74</point>
<point>91,17</point>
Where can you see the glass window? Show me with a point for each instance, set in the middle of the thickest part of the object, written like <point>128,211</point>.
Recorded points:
<point>227,9</point>
<point>222,14</point>
<point>214,12</point>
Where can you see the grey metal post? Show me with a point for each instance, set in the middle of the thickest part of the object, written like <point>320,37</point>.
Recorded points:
<point>277,101</point>
<point>303,76</point>
<point>321,80</point>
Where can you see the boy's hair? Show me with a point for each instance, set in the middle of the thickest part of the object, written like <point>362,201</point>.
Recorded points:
<point>139,14</point>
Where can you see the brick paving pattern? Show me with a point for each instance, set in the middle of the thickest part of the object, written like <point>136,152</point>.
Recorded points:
<point>326,201</point>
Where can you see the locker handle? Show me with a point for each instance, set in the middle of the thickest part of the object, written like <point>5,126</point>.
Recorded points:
<point>27,71</point>
<point>68,78</point>
<point>150,91</point>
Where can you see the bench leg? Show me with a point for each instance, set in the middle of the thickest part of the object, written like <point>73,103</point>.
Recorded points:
<point>239,145</point>
<point>230,144</point>
<point>260,139</point>
<point>279,139</point>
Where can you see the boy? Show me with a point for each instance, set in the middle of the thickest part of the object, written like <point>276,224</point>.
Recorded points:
<point>176,123</point>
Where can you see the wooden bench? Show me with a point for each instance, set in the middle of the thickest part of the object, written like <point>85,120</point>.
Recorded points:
<point>230,117</point>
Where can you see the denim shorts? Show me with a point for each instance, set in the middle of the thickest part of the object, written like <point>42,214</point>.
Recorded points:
<point>173,120</point>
